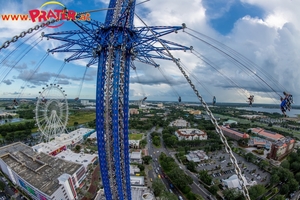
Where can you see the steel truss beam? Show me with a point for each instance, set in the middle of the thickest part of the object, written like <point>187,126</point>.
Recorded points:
<point>114,45</point>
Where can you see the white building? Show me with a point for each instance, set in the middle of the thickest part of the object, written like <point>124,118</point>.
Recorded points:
<point>134,169</point>
<point>139,192</point>
<point>135,157</point>
<point>137,180</point>
<point>41,176</point>
<point>81,158</point>
<point>190,134</point>
<point>85,102</point>
<point>180,123</point>
<point>196,156</point>
<point>61,142</point>
<point>234,182</point>
<point>134,144</point>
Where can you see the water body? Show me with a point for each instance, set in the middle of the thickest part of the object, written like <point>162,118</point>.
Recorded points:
<point>13,120</point>
<point>292,113</point>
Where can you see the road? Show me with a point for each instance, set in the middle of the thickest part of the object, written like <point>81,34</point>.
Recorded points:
<point>155,152</point>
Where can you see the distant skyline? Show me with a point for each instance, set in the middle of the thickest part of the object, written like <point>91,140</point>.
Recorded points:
<point>266,33</point>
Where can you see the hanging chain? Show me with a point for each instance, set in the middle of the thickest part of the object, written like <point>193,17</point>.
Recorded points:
<point>212,118</point>
<point>219,131</point>
<point>22,34</point>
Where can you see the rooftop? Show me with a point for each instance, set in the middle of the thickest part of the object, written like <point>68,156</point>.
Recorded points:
<point>138,192</point>
<point>284,142</point>
<point>188,132</point>
<point>81,158</point>
<point>179,123</point>
<point>38,169</point>
<point>267,134</point>
<point>235,132</point>
<point>234,182</point>
<point>63,140</point>
<point>135,155</point>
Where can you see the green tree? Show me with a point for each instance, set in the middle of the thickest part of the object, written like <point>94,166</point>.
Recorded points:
<point>143,143</point>
<point>279,197</point>
<point>256,191</point>
<point>263,164</point>
<point>274,190</point>
<point>214,189</point>
<point>284,189</point>
<point>179,178</point>
<point>274,179</point>
<point>250,157</point>
<point>297,177</point>
<point>147,159</point>
<point>205,177</point>
<point>293,185</point>
<point>168,196</point>
<point>198,197</point>
<point>191,166</point>
<point>141,167</point>
<point>232,194</point>
<point>295,166</point>
<point>285,164</point>
<point>157,187</point>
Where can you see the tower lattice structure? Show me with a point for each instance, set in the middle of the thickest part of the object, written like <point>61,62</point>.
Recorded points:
<point>114,45</point>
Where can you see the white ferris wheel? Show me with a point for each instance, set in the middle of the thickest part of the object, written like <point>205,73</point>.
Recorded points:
<point>51,111</point>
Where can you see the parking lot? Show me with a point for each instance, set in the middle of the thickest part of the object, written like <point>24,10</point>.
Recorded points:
<point>219,167</point>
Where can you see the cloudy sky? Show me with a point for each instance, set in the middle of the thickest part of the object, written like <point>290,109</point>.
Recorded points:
<point>241,47</point>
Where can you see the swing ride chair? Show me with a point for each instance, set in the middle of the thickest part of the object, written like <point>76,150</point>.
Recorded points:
<point>114,45</point>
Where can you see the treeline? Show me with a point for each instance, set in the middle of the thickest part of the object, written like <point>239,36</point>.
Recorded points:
<point>19,127</point>
<point>137,123</point>
<point>26,114</point>
<point>176,175</point>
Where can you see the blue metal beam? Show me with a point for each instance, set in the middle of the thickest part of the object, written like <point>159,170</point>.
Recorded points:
<point>113,45</point>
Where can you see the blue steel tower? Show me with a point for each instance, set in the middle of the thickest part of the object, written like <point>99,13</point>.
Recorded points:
<point>114,45</point>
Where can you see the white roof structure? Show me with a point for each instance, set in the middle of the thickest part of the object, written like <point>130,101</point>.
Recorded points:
<point>179,123</point>
<point>72,137</point>
<point>137,180</point>
<point>190,131</point>
<point>135,155</point>
<point>80,158</point>
<point>63,140</point>
<point>196,156</point>
<point>138,193</point>
<point>134,169</point>
<point>234,182</point>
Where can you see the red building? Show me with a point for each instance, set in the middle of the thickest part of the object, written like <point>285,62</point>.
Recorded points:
<point>234,134</point>
<point>281,148</point>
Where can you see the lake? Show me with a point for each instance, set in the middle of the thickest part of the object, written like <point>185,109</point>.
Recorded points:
<point>292,113</point>
<point>10,120</point>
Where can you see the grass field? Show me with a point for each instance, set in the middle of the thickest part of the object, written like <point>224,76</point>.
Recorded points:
<point>138,136</point>
<point>81,118</point>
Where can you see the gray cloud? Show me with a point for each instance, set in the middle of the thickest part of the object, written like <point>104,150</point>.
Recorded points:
<point>8,82</point>
<point>63,82</point>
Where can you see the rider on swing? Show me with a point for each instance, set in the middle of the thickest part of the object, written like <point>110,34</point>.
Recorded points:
<point>251,100</point>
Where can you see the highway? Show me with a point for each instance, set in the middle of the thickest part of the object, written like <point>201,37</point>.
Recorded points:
<point>155,152</point>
